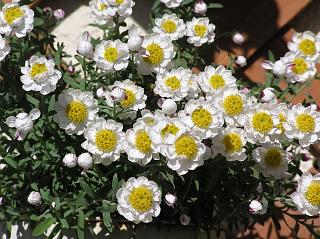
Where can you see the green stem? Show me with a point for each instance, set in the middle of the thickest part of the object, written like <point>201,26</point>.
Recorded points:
<point>84,67</point>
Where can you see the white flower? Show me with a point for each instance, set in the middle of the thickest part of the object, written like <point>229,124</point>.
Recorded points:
<point>103,140</point>
<point>39,74</point>
<point>261,122</point>
<point>301,69</point>
<point>185,152</point>
<point>112,55</point>
<point>200,31</point>
<point>200,7</point>
<point>202,118</point>
<point>282,112</point>
<point>307,196</point>
<point>272,160</point>
<point>139,200</point>
<point>16,19</point>
<point>173,84</point>
<point>156,55</point>
<point>240,61</point>
<point>134,98</point>
<point>307,44</point>
<point>170,25</point>
<point>122,7</point>
<point>102,12</point>
<point>75,109</point>
<point>117,94</point>
<point>85,161</point>
<point>34,198</point>
<point>214,80</point>
<point>194,90</point>
<point>59,14</point>
<point>138,144</point>
<point>233,104</point>
<point>172,3</point>
<point>256,207</point>
<point>169,106</point>
<point>70,160</point>
<point>279,68</point>
<point>230,142</point>
<point>303,123</point>
<point>4,48</point>
<point>134,38</point>
<point>268,95</point>
<point>150,119</point>
<point>23,122</point>
<point>238,38</point>
<point>170,199</point>
<point>84,47</point>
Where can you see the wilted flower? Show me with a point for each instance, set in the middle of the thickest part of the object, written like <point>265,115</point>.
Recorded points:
<point>169,106</point>
<point>200,7</point>
<point>70,160</point>
<point>34,198</point>
<point>59,14</point>
<point>84,47</point>
<point>85,161</point>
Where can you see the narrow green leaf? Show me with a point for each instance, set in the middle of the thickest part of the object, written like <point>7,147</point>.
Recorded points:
<point>43,226</point>
<point>214,5</point>
<point>81,220</point>
<point>11,162</point>
<point>86,188</point>
<point>80,233</point>
<point>33,100</point>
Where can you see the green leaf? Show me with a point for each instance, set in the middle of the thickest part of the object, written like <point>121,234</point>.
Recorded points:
<point>186,2</point>
<point>81,220</point>
<point>214,5</point>
<point>86,188</point>
<point>115,181</point>
<point>33,100</point>
<point>42,227</point>
<point>11,162</point>
<point>107,220</point>
<point>69,80</point>
<point>80,233</point>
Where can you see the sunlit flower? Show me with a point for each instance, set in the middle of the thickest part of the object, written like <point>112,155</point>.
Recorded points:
<point>172,3</point>
<point>85,161</point>
<point>170,25</point>
<point>70,160</point>
<point>200,31</point>
<point>85,47</point>
<point>134,38</point>
<point>169,106</point>
<point>122,7</point>
<point>101,12</point>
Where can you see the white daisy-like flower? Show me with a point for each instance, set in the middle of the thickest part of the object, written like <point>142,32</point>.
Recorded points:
<point>150,119</point>
<point>202,117</point>
<point>230,143</point>
<point>39,74</point>
<point>4,48</point>
<point>16,19</point>
<point>303,123</point>
<point>170,25</point>
<point>233,104</point>
<point>282,111</point>
<point>214,80</point>
<point>103,140</point>
<point>134,99</point>
<point>75,109</point>
<point>139,200</point>
<point>122,7</point>
<point>194,89</point>
<point>200,31</point>
<point>139,145</point>
<point>301,69</point>
<point>272,160</point>
<point>307,44</point>
<point>171,3</point>
<point>23,122</point>
<point>185,153</point>
<point>101,12</point>
<point>307,196</point>
<point>261,122</point>
<point>112,55</point>
<point>173,84</point>
<point>156,56</point>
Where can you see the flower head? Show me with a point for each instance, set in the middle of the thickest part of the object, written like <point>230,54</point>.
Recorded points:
<point>200,31</point>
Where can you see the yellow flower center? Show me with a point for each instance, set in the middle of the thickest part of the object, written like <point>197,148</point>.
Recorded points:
<point>119,2</point>
<point>233,105</point>
<point>169,129</point>
<point>169,26</point>
<point>201,118</point>
<point>141,199</point>
<point>38,69</point>
<point>143,142</point>
<point>282,119</point>
<point>129,100</point>
<point>262,122</point>
<point>77,112</point>
<point>111,54</point>
<point>106,140</point>
<point>102,7</point>
<point>300,66</point>
<point>305,123</point>
<point>273,158</point>
<point>12,14</point>
<point>173,83</point>
<point>200,30</point>
<point>156,54</point>
<point>186,146</point>
<point>217,82</point>
<point>307,47</point>
<point>232,142</point>
<point>313,193</point>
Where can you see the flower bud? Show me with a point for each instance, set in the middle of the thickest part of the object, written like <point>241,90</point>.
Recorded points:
<point>256,207</point>
<point>59,14</point>
<point>101,92</point>
<point>169,106</point>
<point>184,219</point>
<point>2,201</point>
<point>268,95</point>
<point>85,161</point>
<point>134,43</point>
<point>47,11</point>
<point>70,160</point>
<point>170,199</point>
<point>200,7</point>
<point>241,61</point>
<point>34,198</point>
<point>84,47</point>
<point>71,69</point>
<point>238,38</point>
<point>117,94</point>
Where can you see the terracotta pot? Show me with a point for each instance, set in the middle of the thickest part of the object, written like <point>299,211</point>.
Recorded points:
<point>31,5</point>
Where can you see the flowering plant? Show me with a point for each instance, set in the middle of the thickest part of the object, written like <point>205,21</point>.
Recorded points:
<point>132,132</point>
